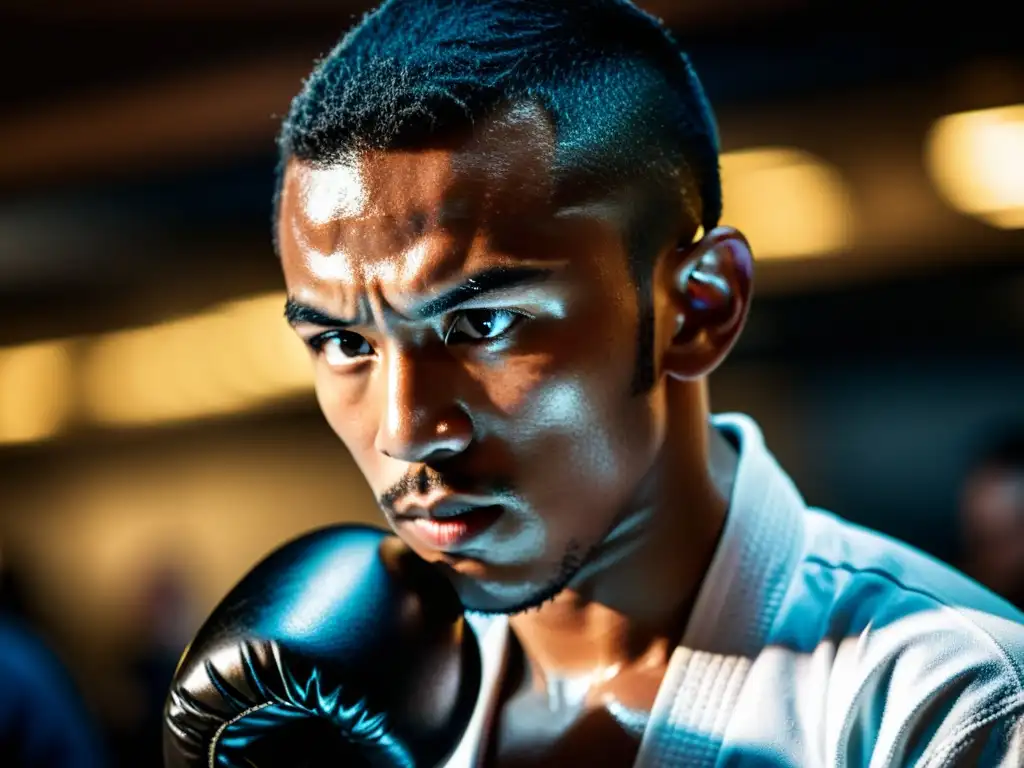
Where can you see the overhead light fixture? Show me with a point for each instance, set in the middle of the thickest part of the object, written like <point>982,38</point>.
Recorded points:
<point>976,161</point>
<point>233,358</point>
<point>789,203</point>
<point>36,391</point>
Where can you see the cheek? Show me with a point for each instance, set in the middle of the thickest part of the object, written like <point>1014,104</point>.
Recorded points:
<point>341,401</point>
<point>597,436</point>
<point>575,428</point>
<point>561,370</point>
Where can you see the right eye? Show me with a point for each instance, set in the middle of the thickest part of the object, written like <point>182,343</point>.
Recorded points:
<point>340,348</point>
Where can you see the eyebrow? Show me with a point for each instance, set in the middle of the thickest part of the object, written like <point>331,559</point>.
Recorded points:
<point>482,283</point>
<point>489,281</point>
<point>295,312</point>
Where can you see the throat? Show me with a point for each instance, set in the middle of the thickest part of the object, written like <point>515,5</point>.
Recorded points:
<point>606,641</point>
<point>626,608</point>
<point>586,658</point>
<point>596,718</point>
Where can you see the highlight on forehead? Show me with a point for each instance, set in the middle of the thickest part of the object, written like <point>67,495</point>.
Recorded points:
<point>502,179</point>
<point>337,191</point>
<point>507,158</point>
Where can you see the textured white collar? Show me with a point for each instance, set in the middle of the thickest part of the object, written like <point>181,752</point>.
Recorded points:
<point>758,551</point>
<point>736,606</point>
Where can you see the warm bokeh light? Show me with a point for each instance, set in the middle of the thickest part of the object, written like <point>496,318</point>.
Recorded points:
<point>36,391</point>
<point>976,160</point>
<point>233,358</point>
<point>242,355</point>
<point>789,203</point>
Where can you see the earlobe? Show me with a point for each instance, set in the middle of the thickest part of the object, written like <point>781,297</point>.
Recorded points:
<point>711,292</point>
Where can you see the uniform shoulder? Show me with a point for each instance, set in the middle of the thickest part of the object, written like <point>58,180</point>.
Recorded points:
<point>917,654</point>
<point>874,580</point>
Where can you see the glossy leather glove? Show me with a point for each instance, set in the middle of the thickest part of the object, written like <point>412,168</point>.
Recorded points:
<point>342,648</point>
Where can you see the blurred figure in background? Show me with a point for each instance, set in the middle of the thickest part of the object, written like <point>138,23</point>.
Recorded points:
<point>164,623</point>
<point>43,721</point>
<point>992,516</point>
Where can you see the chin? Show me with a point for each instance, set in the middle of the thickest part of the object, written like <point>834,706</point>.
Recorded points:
<point>506,588</point>
<point>504,591</point>
<point>511,603</point>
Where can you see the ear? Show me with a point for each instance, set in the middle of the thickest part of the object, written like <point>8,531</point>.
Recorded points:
<point>709,284</point>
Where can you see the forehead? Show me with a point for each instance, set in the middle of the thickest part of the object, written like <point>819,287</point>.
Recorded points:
<point>499,173</point>
<point>429,211</point>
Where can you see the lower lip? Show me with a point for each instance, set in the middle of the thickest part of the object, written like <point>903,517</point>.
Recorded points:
<point>446,534</point>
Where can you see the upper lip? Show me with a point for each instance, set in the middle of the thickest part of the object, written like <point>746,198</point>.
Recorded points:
<point>439,508</point>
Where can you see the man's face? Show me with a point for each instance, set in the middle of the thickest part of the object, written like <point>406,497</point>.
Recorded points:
<point>511,396</point>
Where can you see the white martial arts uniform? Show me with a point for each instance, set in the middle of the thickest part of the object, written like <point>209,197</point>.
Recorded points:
<point>814,642</point>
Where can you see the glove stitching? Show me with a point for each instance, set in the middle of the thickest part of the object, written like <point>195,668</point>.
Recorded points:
<point>212,753</point>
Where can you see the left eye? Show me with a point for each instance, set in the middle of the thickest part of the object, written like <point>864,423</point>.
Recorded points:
<point>480,324</point>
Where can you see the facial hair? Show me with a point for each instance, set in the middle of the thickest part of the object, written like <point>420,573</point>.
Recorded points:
<point>571,563</point>
<point>578,564</point>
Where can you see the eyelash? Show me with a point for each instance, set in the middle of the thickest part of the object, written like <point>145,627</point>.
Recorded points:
<point>318,342</point>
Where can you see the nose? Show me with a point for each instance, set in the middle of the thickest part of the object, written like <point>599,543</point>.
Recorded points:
<point>422,420</point>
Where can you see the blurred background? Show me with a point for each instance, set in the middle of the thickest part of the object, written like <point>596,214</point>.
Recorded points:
<point>158,431</point>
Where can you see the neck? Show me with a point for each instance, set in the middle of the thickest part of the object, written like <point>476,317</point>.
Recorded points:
<point>630,603</point>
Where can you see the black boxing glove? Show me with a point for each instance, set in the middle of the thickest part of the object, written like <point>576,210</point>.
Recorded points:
<point>342,648</point>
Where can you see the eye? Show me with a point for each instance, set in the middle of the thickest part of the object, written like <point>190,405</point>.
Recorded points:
<point>482,324</point>
<point>340,348</point>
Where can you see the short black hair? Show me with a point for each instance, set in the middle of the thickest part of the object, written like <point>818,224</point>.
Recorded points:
<point>624,100</point>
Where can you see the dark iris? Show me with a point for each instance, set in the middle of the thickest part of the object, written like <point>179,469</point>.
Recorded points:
<point>350,344</point>
<point>477,324</point>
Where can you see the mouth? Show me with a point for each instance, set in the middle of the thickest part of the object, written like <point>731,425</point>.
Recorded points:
<point>448,528</point>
